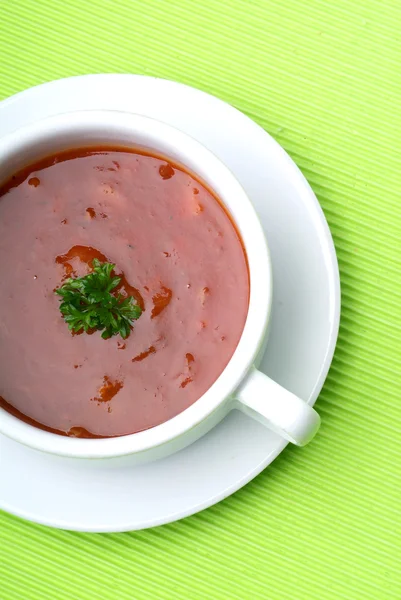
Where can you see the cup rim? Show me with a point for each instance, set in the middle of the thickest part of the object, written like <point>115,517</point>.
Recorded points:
<point>260,272</point>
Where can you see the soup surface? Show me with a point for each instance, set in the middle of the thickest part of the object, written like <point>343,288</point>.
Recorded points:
<point>179,256</point>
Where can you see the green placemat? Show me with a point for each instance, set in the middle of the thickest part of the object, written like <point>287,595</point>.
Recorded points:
<point>324,79</point>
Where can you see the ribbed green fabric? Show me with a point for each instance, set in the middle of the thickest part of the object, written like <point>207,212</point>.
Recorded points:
<point>324,78</point>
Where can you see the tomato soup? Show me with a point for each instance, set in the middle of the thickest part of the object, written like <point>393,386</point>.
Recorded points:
<point>178,255</point>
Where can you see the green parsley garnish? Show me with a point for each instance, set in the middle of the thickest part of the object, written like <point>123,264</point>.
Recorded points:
<point>89,304</point>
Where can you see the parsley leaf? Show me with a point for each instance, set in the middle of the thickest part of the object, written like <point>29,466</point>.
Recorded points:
<point>87,303</point>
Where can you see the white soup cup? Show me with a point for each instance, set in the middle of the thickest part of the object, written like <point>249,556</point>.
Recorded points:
<point>240,385</point>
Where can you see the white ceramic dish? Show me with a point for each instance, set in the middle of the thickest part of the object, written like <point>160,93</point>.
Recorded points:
<point>240,385</point>
<point>60,491</point>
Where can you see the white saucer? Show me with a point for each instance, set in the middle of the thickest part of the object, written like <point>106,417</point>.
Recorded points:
<point>114,495</point>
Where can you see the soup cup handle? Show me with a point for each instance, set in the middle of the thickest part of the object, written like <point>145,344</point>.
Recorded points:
<point>278,409</point>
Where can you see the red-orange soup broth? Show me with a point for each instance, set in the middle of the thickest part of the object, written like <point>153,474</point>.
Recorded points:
<point>179,256</point>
